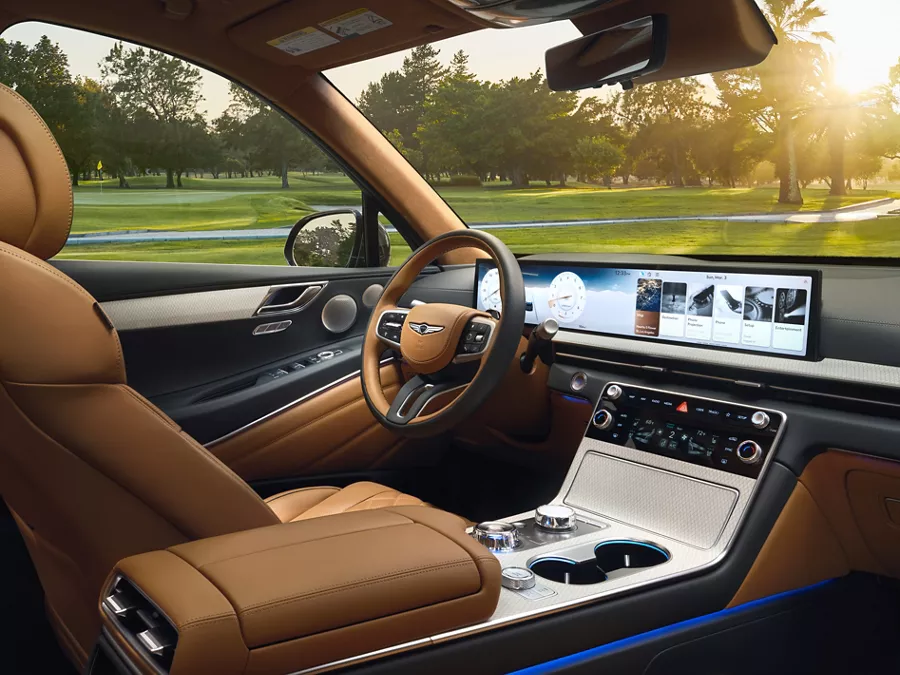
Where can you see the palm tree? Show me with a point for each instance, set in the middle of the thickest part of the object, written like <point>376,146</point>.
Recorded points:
<point>785,82</point>
<point>846,116</point>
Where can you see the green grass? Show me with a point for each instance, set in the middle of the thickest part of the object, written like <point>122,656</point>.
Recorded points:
<point>873,238</point>
<point>248,210</point>
<point>258,202</point>
<point>489,205</point>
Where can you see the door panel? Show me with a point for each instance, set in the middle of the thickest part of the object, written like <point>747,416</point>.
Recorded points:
<point>192,346</point>
<point>333,432</point>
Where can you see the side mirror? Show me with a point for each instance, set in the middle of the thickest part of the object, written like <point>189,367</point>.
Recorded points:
<point>333,239</point>
<point>615,55</point>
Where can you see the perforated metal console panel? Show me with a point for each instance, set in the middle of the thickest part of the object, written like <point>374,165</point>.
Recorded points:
<point>652,499</point>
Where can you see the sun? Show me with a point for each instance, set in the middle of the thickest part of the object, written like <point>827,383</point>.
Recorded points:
<point>865,45</point>
<point>856,72</point>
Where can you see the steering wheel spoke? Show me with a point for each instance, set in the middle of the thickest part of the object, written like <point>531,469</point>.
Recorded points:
<point>420,397</point>
<point>476,339</point>
<point>390,323</point>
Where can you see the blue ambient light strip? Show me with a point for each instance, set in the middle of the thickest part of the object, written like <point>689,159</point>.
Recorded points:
<point>594,652</point>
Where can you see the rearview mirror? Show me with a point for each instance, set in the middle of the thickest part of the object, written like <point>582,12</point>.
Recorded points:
<point>333,239</point>
<point>612,56</point>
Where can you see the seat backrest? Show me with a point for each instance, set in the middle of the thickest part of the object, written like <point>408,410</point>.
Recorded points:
<point>92,471</point>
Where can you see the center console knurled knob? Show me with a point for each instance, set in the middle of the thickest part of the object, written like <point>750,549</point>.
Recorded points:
<point>613,392</point>
<point>759,419</point>
<point>555,517</point>
<point>603,419</point>
<point>496,536</point>
<point>517,578</point>
<point>749,452</point>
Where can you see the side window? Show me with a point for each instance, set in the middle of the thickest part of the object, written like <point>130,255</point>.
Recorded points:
<point>170,162</point>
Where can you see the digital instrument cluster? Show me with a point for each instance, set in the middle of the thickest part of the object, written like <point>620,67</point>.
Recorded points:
<point>771,312</point>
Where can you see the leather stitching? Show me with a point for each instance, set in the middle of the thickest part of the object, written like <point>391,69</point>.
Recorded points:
<point>173,550</point>
<point>16,95</point>
<point>146,404</point>
<point>369,581</point>
<point>40,264</point>
<point>242,459</point>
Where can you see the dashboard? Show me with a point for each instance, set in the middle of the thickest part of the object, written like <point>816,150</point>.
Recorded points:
<point>770,311</point>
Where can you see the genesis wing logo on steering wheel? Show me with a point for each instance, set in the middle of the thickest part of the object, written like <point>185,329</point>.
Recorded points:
<point>425,329</point>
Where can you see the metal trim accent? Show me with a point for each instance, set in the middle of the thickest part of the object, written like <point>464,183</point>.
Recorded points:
<point>825,369</point>
<point>270,328</point>
<point>345,311</point>
<point>313,289</point>
<point>425,328</point>
<point>290,405</point>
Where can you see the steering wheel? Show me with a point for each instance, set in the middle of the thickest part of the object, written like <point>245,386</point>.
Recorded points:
<point>452,350</point>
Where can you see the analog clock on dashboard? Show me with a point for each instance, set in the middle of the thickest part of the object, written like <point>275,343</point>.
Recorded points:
<point>567,297</point>
<point>490,290</point>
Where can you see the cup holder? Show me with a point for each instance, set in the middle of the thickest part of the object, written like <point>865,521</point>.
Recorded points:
<point>617,555</point>
<point>566,571</point>
<point>609,557</point>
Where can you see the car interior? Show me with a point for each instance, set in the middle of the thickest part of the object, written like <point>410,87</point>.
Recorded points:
<point>452,464</point>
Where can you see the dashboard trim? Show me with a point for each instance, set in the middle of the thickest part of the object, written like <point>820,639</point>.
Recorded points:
<point>857,372</point>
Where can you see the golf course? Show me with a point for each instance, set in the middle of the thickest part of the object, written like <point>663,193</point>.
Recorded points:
<point>207,204</point>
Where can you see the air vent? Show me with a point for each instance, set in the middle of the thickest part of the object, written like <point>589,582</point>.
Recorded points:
<point>142,624</point>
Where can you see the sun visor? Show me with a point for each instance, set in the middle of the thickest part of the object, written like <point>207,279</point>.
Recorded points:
<point>323,34</point>
<point>703,36</point>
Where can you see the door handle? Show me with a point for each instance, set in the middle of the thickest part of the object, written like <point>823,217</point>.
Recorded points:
<point>289,298</point>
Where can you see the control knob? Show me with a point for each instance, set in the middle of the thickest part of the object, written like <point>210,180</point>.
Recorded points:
<point>496,536</point>
<point>517,578</point>
<point>602,419</point>
<point>759,419</point>
<point>613,392</point>
<point>555,517</point>
<point>749,452</point>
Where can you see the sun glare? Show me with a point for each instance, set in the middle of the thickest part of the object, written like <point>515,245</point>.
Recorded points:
<point>865,46</point>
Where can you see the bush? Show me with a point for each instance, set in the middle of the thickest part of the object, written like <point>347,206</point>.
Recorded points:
<point>465,181</point>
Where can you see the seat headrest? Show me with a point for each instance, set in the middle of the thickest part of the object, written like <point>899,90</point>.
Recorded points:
<point>35,188</point>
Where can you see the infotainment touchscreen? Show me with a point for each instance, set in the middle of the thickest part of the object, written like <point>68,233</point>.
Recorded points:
<point>748,311</point>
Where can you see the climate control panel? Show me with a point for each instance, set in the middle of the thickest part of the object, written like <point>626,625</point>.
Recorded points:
<point>722,435</point>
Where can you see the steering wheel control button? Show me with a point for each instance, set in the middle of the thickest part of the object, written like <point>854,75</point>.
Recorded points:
<point>389,326</point>
<point>613,392</point>
<point>578,382</point>
<point>749,452</point>
<point>603,419</point>
<point>475,337</point>
<point>517,578</point>
<point>555,518</point>
<point>759,419</point>
<point>497,536</point>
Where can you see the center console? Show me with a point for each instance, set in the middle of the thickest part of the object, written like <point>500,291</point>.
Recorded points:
<point>657,490</point>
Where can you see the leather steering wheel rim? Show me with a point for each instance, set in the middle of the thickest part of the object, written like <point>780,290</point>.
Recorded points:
<point>425,353</point>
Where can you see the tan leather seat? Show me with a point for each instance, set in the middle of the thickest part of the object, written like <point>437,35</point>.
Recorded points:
<point>91,470</point>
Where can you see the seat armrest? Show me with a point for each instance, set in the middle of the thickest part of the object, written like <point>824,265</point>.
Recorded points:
<point>288,597</point>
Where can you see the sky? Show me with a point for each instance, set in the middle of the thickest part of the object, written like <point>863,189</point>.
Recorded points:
<point>865,33</point>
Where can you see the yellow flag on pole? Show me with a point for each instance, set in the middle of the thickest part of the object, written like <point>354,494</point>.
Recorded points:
<point>99,166</point>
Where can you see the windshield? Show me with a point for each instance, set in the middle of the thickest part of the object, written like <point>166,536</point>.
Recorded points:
<point>799,156</point>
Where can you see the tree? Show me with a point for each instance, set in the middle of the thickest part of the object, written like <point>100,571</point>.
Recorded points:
<point>784,80</point>
<point>164,89</point>
<point>398,99</point>
<point>662,118</point>
<point>262,137</point>
<point>596,158</point>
